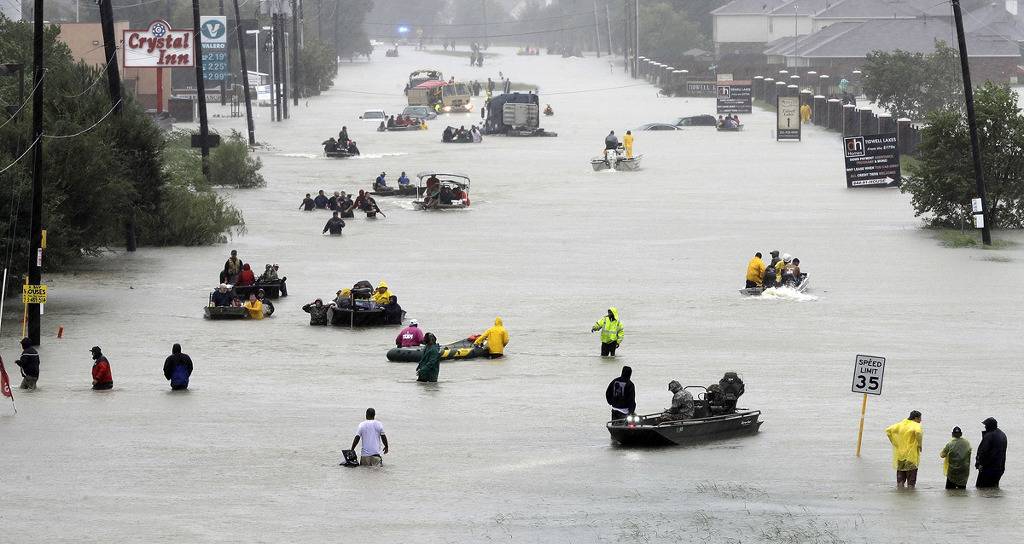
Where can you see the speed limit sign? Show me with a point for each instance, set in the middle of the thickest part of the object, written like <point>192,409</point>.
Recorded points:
<point>868,372</point>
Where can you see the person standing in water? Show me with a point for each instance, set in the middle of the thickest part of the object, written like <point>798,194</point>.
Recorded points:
<point>178,368</point>
<point>29,363</point>
<point>375,442</point>
<point>957,464</point>
<point>612,332</point>
<point>430,362</point>
<point>102,378</point>
<point>906,438</point>
<point>991,459</point>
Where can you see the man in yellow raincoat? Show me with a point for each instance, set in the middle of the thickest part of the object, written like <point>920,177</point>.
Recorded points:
<point>496,338</point>
<point>382,295</point>
<point>906,438</point>
<point>805,113</point>
<point>755,271</point>
<point>627,142</point>
<point>612,332</point>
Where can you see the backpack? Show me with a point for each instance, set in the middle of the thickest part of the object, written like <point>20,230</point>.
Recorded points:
<point>179,376</point>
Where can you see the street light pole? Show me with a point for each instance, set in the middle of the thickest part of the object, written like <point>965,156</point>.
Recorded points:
<point>972,124</point>
<point>245,75</point>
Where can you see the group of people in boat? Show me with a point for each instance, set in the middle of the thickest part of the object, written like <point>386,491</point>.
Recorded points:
<point>401,121</point>
<point>343,143</point>
<point>361,296</point>
<point>720,398</point>
<point>611,143</point>
<point>256,304</point>
<point>781,271</point>
<point>437,194</point>
<point>729,121</point>
<point>381,183</point>
<point>461,135</point>
<point>238,273</point>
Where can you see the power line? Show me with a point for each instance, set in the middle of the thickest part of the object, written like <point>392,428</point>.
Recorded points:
<point>514,35</point>
<point>96,124</point>
<point>489,23</point>
<point>30,148</point>
<point>23,104</point>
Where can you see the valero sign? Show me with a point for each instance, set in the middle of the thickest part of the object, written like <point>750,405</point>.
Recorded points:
<point>158,46</point>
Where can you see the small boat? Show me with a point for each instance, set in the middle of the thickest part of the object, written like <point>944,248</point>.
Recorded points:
<point>340,154</point>
<point>225,312</point>
<point>616,161</point>
<point>401,190</point>
<point>462,349</point>
<point>757,291</point>
<point>402,128</point>
<point>657,430</point>
<point>729,129</point>
<point>270,289</point>
<point>452,192</point>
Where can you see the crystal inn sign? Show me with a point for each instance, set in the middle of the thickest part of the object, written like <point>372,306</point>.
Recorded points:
<point>159,46</point>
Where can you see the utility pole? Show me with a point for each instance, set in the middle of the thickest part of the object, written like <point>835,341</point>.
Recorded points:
<point>597,31</point>
<point>276,91</point>
<point>282,21</point>
<point>35,252</point>
<point>636,36</point>
<point>204,127</point>
<point>319,20</point>
<point>114,85</point>
<point>223,84</point>
<point>484,2</point>
<point>972,124</point>
<point>608,23</point>
<point>295,53</point>
<point>245,72</point>
<point>627,26</point>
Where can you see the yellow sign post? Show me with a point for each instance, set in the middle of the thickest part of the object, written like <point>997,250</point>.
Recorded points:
<point>868,372</point>
<point>860,433</point>
<point>34,294</point>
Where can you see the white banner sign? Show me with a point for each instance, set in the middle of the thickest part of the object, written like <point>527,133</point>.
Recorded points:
<point>158,46</point>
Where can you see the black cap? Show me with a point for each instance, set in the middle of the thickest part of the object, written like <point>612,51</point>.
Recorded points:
<point>96,349</point>
<point>957,431</point>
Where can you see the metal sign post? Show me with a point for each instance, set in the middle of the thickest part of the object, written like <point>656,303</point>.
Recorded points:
<point>868,372</point>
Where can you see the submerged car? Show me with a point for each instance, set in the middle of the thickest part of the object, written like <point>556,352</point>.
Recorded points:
<point>374,115</point>
<point>697,121</point>
<point>658,126</point>
<point>419,112</point>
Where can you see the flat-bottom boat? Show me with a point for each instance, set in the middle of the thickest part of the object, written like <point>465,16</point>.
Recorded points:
<point>617,163</point>
<point>661,430</point>
<point>758,291</point>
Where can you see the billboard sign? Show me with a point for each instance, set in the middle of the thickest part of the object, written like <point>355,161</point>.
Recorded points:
<point>158,46</point>
<point>213,30</point>
<point>872,161</point>
<point>787,117</point>
<point>734,97</point>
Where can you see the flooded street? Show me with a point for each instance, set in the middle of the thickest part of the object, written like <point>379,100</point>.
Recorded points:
<point>515,450</point>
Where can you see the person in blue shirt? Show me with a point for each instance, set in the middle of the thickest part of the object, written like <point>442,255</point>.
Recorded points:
<point>403,179</point>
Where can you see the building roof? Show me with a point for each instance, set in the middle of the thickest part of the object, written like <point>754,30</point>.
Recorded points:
<point>857,40</point>
<point>931,8</point>
<point>749,7</point>
<point>801,7</point>
<point>866,9</point>
<point>993,20</point>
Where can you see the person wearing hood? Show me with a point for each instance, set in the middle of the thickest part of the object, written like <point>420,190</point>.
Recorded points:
<point>621,395</point>
<point>343,138</point>
<point>906,438</point>
<point>317,312</point>
<point>321,201</point>
<point>254,307</point>
<point>755,271</point>
<point>769,272</point>
<point>627,142</point>
<point>381,295</point>
<point>956,457</point>
<point>222,296</point>
<point>102,378</point>
<point>334,225</point>
<point>29,363</point>
<point>411,336</point>
<point>430,361</point>
<point>496,338</point>
<point>178,368</point>
<point>612,332</point>
<point>393,312</point>
<point>682,402</point>
<point>991,459</point>
<point>307,204</point>
<point>246,276</point>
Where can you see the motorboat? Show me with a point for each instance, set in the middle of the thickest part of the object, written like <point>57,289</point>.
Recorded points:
<point>462,349</point>
<point>737,128</point>
<point>401,190</point>
<point>442,191</point>
<point>340,154</point>
<point>225,312</point>
<point>799,287</point>
<point>661,430</point>
<point>271,289</point>
<point>616,160</point>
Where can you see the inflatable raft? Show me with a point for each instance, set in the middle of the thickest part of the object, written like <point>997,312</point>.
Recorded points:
<point>463,349</point>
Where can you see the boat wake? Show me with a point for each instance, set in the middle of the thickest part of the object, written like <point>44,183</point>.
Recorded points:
<point>784,293</point>
<point>378,155</point>
<point>300,155</point>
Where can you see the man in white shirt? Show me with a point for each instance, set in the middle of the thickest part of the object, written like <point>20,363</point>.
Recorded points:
<point>371,432</point>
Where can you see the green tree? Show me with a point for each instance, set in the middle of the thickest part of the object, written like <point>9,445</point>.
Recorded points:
<point>941,182</point>
<point>913,84</point>
<point>667,32</point>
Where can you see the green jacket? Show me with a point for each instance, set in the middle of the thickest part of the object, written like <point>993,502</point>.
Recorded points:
<point>957,465</point>
<point>430,363</point>
<point>611,329</point>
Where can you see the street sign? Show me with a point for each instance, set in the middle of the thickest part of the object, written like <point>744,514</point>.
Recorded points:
<point>212,140</point>
<point>787,116</point>
<point>213,30</point>
<point>872,161</point>
<point>868,372</point>
<point>34,294</point>
<point>734,97</point>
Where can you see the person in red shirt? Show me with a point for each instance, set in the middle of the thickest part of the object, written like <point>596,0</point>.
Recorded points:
<point>246,277</point>
<point>101,376</point>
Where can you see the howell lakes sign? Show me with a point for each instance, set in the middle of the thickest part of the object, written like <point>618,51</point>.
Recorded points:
<point>159,46</point>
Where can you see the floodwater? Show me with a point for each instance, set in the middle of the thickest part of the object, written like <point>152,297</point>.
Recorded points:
<point>516,450</point>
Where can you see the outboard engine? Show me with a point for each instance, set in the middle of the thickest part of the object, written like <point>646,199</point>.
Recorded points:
<point>362,290</point>
<point>732,389</point>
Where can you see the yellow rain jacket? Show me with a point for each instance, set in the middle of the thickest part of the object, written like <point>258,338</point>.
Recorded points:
<point>779,266</point>
<point>755,270</point>
<point>381,298</point>
<point>611,330</point>
<point>805,113</point>
<point>496,337</point>
<point>627,142</point>
<point>255,309</point>
<point>906,437</point>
